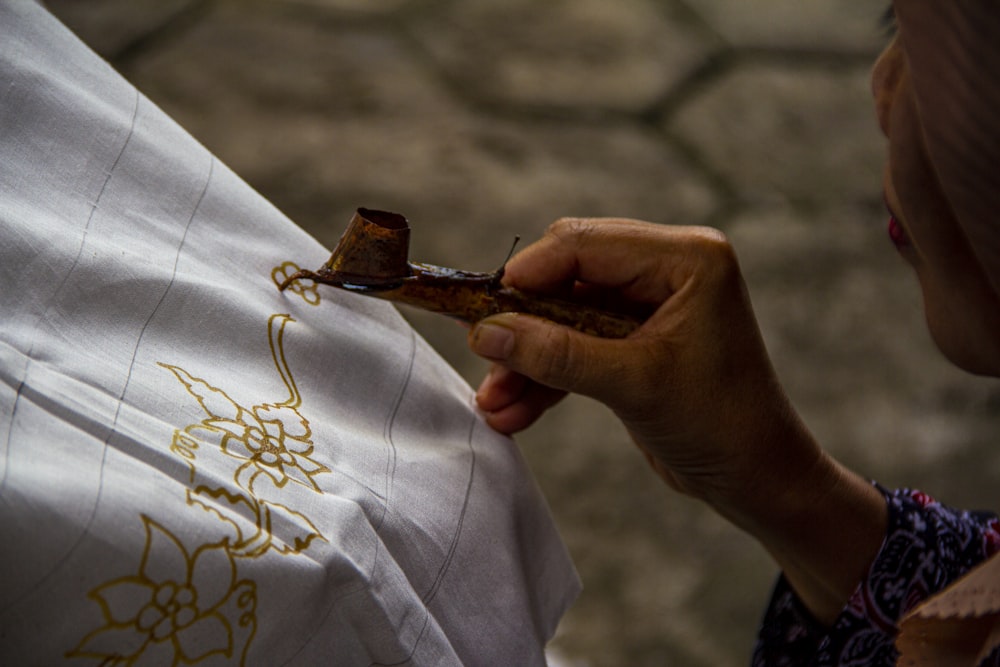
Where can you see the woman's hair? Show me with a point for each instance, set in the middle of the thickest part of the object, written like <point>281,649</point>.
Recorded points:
<point>953,51</point>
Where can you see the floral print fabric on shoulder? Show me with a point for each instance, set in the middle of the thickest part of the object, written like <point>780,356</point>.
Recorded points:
<point>928,546</point>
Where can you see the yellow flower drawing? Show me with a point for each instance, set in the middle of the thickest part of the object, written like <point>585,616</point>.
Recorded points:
<point>309,293</point>
<point>180,608</point>
<point>271,442</point>
<point>270,439</point>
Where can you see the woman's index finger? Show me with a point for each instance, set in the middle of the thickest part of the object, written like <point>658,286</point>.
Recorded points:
<point>638,258</point>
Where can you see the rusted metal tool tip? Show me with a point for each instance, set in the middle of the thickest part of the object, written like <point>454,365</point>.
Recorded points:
<point>372,259</point>
<point>373,249</point>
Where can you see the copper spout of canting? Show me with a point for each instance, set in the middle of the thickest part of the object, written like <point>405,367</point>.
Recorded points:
<point>372,251</point>
<point>371,259</point>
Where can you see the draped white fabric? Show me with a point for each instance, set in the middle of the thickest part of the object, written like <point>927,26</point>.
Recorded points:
<point>196,468</point>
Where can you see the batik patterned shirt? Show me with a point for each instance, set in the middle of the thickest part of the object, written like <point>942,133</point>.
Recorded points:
<point>927,546</point>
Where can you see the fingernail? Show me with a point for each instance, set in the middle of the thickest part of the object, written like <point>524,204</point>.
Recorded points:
<point>492,341</point>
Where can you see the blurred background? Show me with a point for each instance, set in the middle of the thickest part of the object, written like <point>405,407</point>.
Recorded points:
<point>483,119</point>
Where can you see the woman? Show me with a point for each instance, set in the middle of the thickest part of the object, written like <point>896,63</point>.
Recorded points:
<point>695,388</point>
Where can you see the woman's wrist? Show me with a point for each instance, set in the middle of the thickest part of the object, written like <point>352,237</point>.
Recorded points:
<point>821,522</point>
<point>825,544</point>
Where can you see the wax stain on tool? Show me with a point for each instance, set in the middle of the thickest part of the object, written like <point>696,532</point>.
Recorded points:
<point>372,258</point>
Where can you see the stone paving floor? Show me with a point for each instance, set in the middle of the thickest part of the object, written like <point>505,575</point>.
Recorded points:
<point>482,119</point>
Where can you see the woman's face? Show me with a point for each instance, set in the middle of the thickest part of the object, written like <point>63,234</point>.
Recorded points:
<point>961,307</point>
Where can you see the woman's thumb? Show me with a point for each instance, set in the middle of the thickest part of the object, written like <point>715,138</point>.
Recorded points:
<point>549,353</point>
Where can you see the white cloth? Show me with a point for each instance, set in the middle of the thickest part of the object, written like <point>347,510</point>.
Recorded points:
<point>197,468</point>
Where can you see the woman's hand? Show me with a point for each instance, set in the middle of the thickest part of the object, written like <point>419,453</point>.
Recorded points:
<point>693,385</point>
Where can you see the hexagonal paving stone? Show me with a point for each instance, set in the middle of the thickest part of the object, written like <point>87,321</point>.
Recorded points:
<point>847,25</point>
<point>238,58</point>
<point>786,132</point>
<point>620,55</point>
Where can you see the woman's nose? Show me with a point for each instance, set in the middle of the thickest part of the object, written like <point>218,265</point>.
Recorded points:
<point>885,80</point>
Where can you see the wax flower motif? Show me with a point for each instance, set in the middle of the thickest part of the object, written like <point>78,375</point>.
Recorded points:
<point>271,440</point>
<point>308,292</point>
<point>274,442</point>
<point>271,443</point>
<point>179,608</point>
